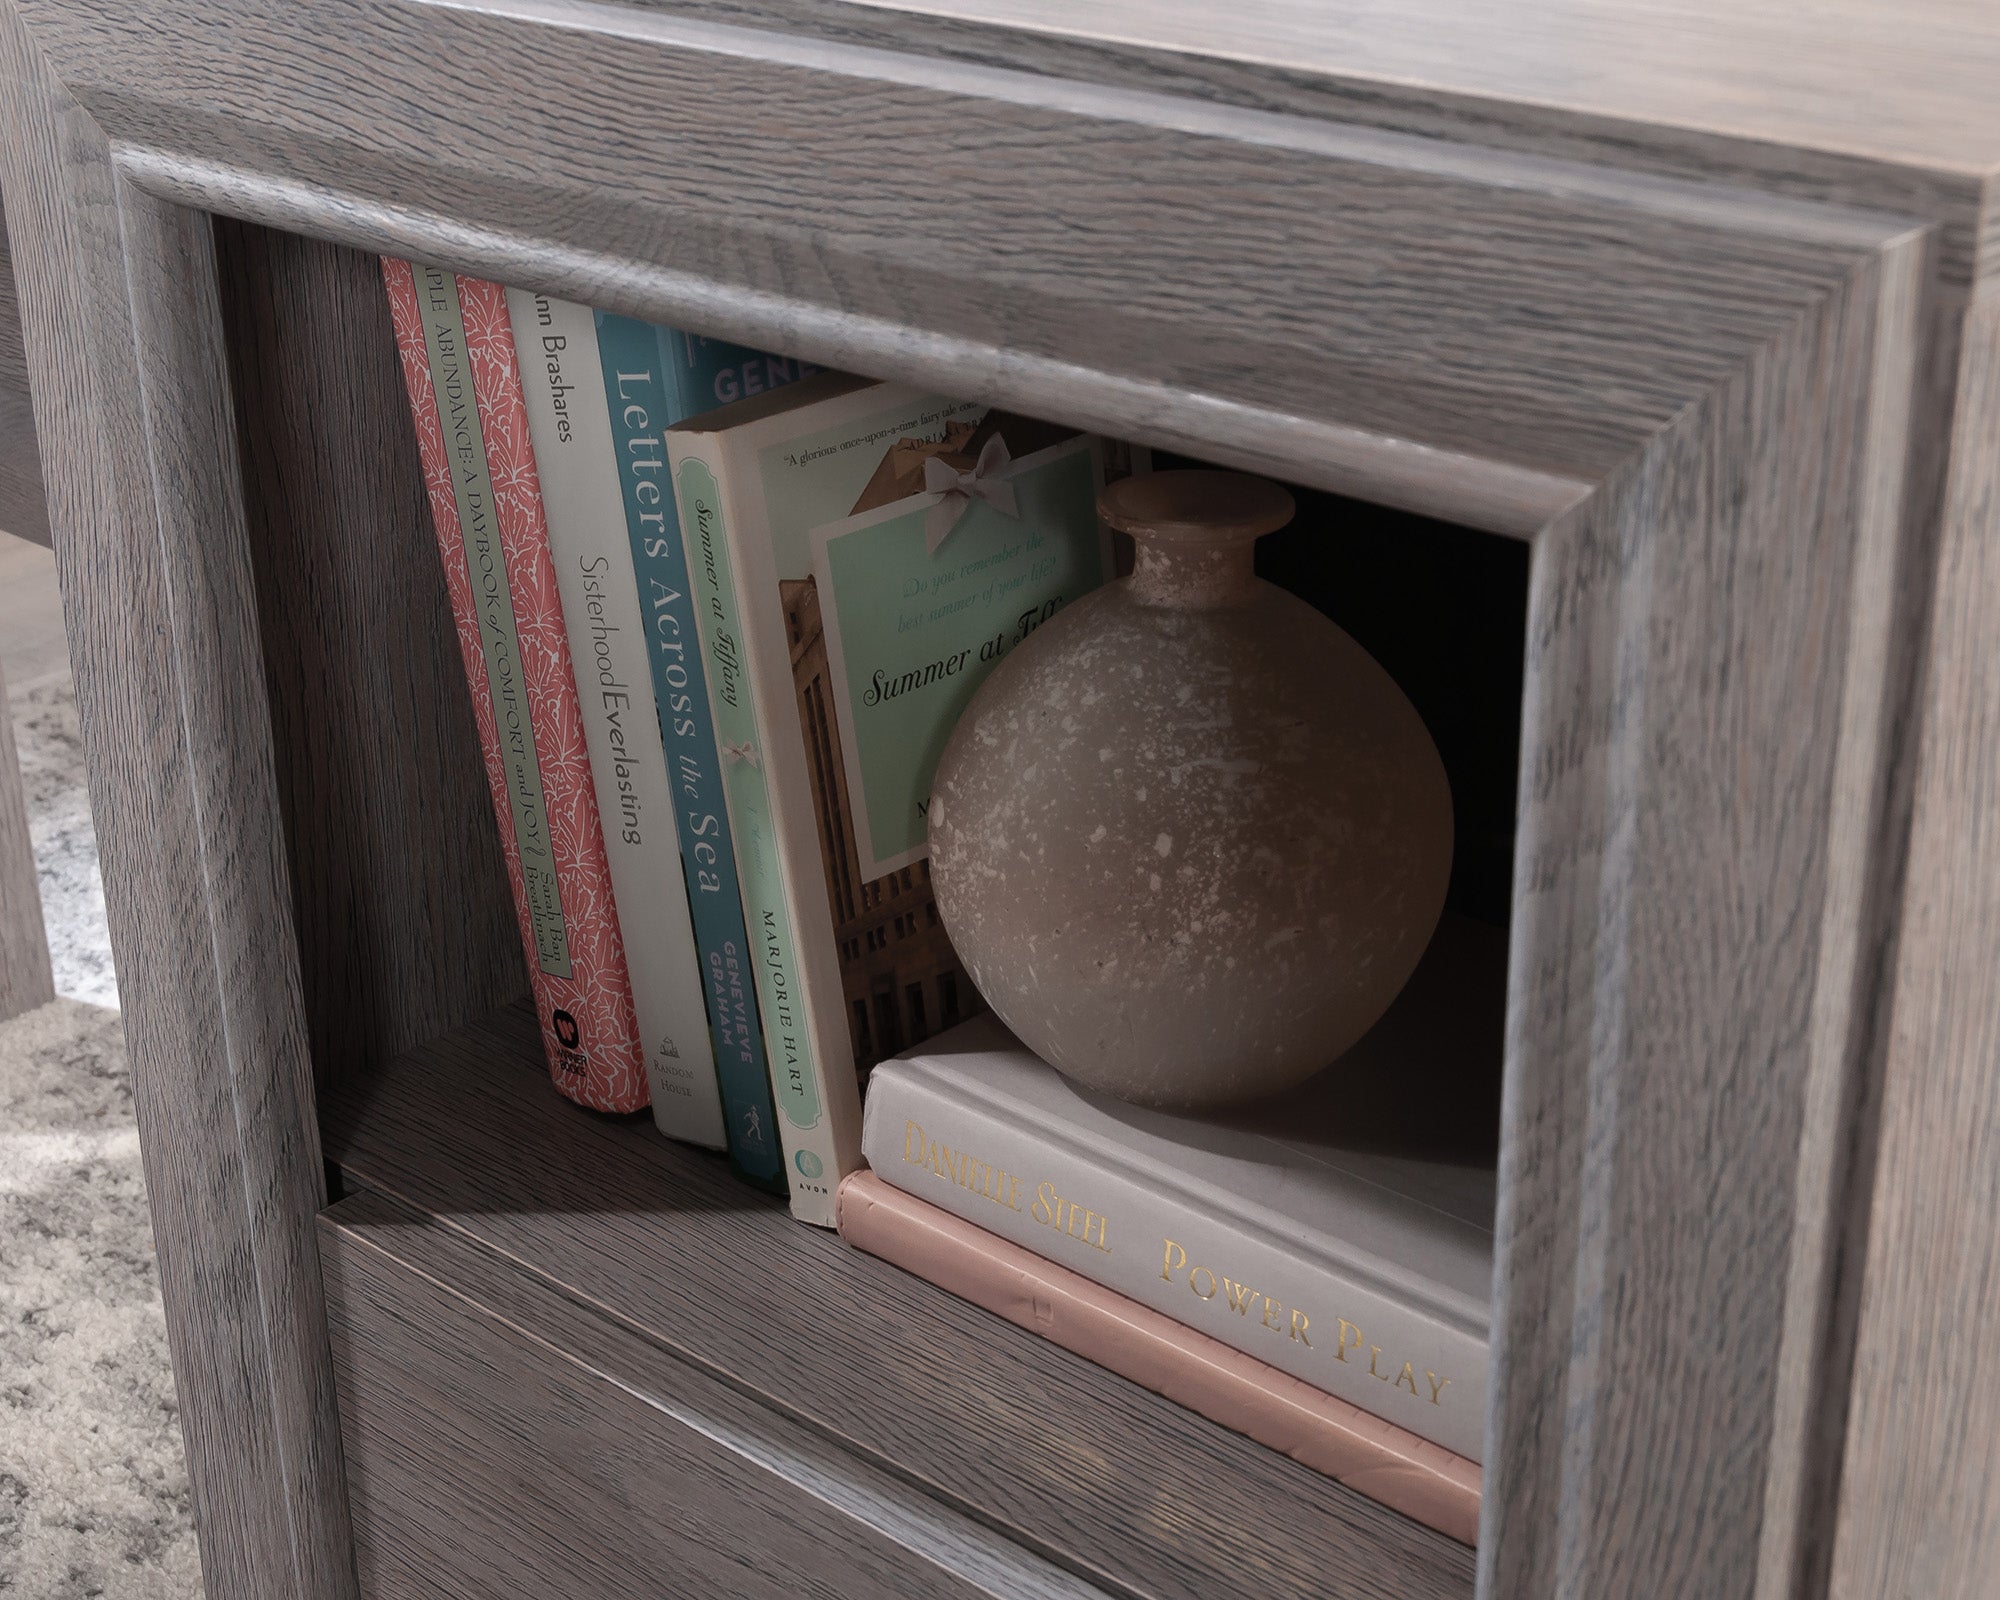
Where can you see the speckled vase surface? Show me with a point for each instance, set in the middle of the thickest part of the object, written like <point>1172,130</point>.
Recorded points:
<point>1189,839</point>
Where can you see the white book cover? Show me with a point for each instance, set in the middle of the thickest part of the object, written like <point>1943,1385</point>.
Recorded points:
<point>857,610</point>
<point>570,428</point>
<point>1342,1233</point>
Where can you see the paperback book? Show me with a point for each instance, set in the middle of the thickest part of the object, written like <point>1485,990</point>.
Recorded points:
<point>862,555</point>
<point>472,430</point>
<point>1330,1233</point>
<point>584,482</point>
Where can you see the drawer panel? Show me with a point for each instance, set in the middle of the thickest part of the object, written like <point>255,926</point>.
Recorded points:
<point>503,1440</point>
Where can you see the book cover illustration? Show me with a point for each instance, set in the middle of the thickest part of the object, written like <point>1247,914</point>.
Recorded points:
<point>896,612</point>
<point>471,423</point>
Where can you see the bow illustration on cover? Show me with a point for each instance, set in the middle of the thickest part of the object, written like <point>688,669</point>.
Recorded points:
<point>957,490</point>
<point>745,751</point>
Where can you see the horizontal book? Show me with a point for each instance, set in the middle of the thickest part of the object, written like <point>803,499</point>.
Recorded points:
<point>1370,1456</point>
<point>1342,1233</point>
<point>862,554</point>
<point>464,385</point>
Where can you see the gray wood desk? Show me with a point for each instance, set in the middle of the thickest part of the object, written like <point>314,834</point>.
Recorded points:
<point>1698,297</point>
<point>26,978</point>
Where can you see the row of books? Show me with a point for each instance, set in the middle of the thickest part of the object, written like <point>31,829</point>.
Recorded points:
<point>718,613</point>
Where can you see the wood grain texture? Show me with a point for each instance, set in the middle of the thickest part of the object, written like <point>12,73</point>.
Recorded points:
<point>123,337</point>
<point>1095,1474</point>
<point>1671,1004</point>
<point>26,978</point>
<point>1685,345</point>
<point>1229,70</point>
<point>1893,589</point>
<point>399,895</point>
<point>1920,1496</point>
<point>23,507</point>
<point>1910,82</point>
<point>1048,280</point>
<point>505,1441</point>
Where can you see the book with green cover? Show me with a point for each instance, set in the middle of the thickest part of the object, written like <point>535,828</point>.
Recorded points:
<point>651,378</point>
<point>862,555</point>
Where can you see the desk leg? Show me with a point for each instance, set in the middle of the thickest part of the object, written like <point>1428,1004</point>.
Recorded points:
<point>26,979</point>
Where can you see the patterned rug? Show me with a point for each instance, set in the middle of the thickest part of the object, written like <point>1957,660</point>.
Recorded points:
<point>65,847</point>
<point>93,1484</point>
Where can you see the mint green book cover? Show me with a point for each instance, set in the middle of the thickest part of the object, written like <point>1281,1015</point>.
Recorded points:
<point>887,548</point>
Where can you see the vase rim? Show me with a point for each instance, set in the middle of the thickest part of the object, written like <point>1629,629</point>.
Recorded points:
<point>1195,506</point>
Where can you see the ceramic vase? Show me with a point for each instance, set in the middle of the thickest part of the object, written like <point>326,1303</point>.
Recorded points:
<point>1189,839</point>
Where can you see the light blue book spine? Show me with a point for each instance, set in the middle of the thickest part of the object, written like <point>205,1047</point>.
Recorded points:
<point>645,398</point>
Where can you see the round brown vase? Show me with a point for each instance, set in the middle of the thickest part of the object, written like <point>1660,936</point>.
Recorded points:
<point>1189,839</point>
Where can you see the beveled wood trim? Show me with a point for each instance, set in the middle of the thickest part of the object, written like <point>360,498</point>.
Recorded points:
<point>1688,703</point>
<point>1696,395</point>
<point>1363,310</point>
<point>1918,1516</point>
<point>123,335</point>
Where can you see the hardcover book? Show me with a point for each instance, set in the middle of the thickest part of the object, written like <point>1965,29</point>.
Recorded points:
<point>472,431</point>
<point>862,554</point>
<point>584,488</point>
<point>1389,1464</point>
<point>1341,1233</point>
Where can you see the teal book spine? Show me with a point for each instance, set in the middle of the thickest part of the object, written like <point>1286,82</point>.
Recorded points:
<point>644,398</point>
<point>706,373</point>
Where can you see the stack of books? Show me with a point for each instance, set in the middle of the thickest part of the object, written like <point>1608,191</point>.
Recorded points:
<point>719,612</point>
<point>1312,1270</point>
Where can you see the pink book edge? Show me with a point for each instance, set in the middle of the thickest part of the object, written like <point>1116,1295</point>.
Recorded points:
<point>615,1079</point>
<point>608,1081</point>
<point>1389,1465</point>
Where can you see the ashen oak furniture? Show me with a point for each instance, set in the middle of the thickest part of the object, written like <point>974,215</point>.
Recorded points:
<point>26,977</point>
<point>1698,298</point>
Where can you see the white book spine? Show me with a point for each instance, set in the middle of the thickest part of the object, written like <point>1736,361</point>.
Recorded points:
<point>1325,1326</point>
<point>570,427</point>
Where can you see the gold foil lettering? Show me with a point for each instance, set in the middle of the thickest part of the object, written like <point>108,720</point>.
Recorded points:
<point>1437,1385</point>
<point>1346,1344</point>
<point>1240,1296</point>
<point>1271,1309</point>
<point>1299,1321</point>
<point>1406,1379</point>
<point>1171,1266</point>
<point>1198,1272</point>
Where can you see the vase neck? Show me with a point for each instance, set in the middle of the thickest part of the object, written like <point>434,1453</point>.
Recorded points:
<point>1182,574</point>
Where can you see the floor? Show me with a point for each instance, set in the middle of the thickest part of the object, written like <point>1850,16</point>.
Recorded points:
<point>93,1484</point>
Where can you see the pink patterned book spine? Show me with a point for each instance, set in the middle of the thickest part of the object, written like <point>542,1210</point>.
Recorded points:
<point>472,430</point>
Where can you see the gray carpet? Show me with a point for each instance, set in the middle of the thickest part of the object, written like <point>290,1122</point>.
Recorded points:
<point>93,1485</point>
<point>65,847</point>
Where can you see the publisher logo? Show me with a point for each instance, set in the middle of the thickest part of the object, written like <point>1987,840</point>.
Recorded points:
<point>809,1164</point>
<point>567,1032</point>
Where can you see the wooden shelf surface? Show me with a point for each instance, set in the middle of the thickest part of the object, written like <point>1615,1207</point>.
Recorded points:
<point>1081,1468</point>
